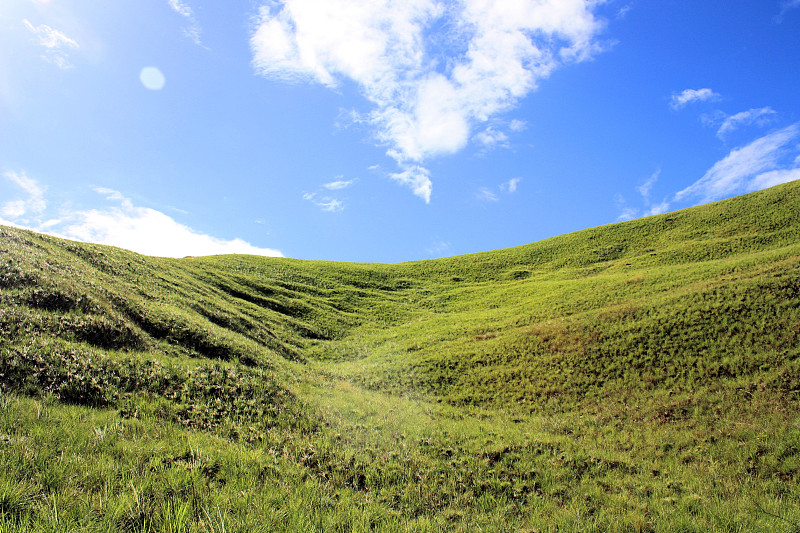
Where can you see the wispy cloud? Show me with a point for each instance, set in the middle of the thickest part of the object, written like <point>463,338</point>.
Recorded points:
<point>628,213</point>
<point>486,195</point>
<point>120,223</point>
<point>421,106</point>
<point>32,203</point>
<point>689,96</point>
<point>787,5</point>
<point>491,138</point>
<point>338,184</point>
<point>759,164</point>
<point>193,30</point>
<point>325,203</point>
<point>439,248</point>
<point>767,161</point>
<point>758,116</point>
<point>625,212</point>
<point>646,187</point>
<point>511,185</point>
<point>648,209</point>
<point>774,177</point>
<point>56,45</point>
<point>517,125</point>
<point>657,209</point>
<point>416,178</point>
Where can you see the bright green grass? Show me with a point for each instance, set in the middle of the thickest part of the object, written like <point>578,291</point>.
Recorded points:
<point>642,376</point>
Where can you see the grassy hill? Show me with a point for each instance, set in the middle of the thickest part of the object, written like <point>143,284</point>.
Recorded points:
<point>641,376</point>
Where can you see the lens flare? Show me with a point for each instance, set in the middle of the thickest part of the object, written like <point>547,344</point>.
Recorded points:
<point>152,78</point>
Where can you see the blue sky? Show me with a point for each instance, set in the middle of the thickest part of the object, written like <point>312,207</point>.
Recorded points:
<point>385,130</point>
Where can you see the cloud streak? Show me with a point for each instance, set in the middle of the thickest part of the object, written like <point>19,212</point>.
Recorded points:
<point>786,6</point>
<point>192,31</point>
<point>768,161</point>
<point>338,184</point>
<point>753,116</point>
<point>486,195</point>
<point>646,188</point>
<point>755,166</point>
<point>139,229</point>
<point>56,45</point>
<point>690,96</point>
<point>491,138</point>
<point>324,200</point>
<point>23,208</point>
<point>325,203</point>
<point>424,106</point>
<point>649,209</point>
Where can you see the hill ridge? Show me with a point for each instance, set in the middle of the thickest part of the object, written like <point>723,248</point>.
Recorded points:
<point>447,394</point>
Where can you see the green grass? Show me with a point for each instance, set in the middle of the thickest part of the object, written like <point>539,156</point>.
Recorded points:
<point>642,376</point>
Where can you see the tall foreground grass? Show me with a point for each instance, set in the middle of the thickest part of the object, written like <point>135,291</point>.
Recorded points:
<point>636,377</point>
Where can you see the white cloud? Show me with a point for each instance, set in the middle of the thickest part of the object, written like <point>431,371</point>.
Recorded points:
<point>417,179</point>
<point>150,232</point>
<point>338,184</point>
<point>491,138</point>
<point>332,205</point>
<point>325,203</point>
<point>511,185</point>
<point>648,209</point>
<point>193,30</point>
<point>645,188</point>
<point>423,106</point>
<point>748,168</point>
<point>787,5</point>
<point>768,161</point>
<point>689,96</point>
<point>13,209</point>
<point>140,229</point>
<point>772,178</point>
<point>657,209</point>
<point>628,213</point>
<point>34,203</point>
<point>111,194</point>
<point>439,248</point>
<point>753,116</point>
<point>329,203</point>
<point>485,195</point>
<point>55,43</point>
<point>517,125</point>
<point>623,11</point>
<point>180,8</point>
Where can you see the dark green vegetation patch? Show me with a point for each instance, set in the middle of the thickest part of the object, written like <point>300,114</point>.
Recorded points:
<point>641,376</point>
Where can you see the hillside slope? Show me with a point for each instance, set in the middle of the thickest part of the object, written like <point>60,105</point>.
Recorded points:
<point>673,301</point>
<point>606,379</point>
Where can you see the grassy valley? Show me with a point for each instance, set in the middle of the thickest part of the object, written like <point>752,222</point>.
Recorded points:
<point>641,376</point>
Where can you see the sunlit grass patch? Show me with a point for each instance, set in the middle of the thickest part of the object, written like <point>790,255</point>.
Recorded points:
<point>636,377</point>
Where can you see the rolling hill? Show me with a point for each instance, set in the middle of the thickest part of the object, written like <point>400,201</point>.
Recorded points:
<point>641,376</point>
